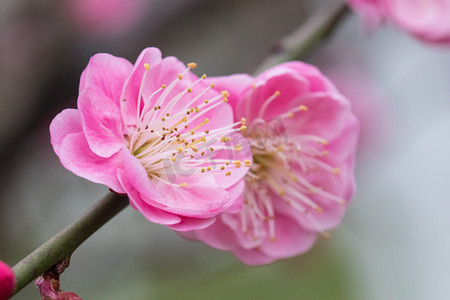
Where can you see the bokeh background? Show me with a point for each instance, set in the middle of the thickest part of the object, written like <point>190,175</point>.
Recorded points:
<point>394,242</point>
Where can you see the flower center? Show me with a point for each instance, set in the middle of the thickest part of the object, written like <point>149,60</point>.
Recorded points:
<point>170,140</point>
<point>280,169</point>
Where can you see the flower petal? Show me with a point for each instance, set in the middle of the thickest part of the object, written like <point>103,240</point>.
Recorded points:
<point>101,120</point>
<point>77,157</point>
<point>66,122</point>
<point>106,73</point>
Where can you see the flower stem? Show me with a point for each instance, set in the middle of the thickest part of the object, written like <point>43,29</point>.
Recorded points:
<point>298,44</point>
<point>65,242</point>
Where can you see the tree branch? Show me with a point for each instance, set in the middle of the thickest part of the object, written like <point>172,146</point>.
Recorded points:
<point>298,44</point>
<point>65,242</point>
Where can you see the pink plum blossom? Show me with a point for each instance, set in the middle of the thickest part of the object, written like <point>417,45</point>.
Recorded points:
<point>427,20</point>
<point>158,133</point>
<point>7,281</point>
<point>105,16</point>
<point>303,138</point>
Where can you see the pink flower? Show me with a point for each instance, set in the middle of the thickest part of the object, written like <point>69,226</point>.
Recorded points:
<point>105,16</point>
<point>157,133</point>
<point>7,281</point>
<point>427,20</point>
<point>303,138</point>
<point>49,289</point>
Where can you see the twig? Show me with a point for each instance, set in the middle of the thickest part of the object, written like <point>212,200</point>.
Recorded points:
<point>65,242</point>
<point>318,27</point>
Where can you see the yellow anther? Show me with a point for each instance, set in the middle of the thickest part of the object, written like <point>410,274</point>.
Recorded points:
<point>191,109</point>
<point>222,138</point>
<point>172,158</point>
<point>225,100</point>
<point>184,119</point>
<point>325,235</point>
<point>163,86</point>
<point>179,149</point>
<point>163,118</point>
<point>197,109</point>
<point>212,85</point>
<point>247,162</point>
<point>319,209</point>
<point>243,128</point>
<point>303,107</point>
<point>280,148</point>
<point>225,94</point>
<point>207,131</point>
<point>227,163</point>
<point>237,148</point>
<point>277,93</point>
<point>180,76</point>
<point>206,101</point>
<point>336,171</point>
<point>203,170</point>
<point>204,76</point>
<point>211,148</point>
<point>290,115</point>
<point>228,173</point>
<point>189,90</point>
<point>222,168</point>
<point>147,66</point>
<point>192,65</point>
<point>194,148</point>
<point>243,121</point>
<point>208,169</point>
<point>199,125</point>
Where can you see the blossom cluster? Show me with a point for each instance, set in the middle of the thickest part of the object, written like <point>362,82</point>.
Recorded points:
<point>427,20</point>
<point>258,166</point>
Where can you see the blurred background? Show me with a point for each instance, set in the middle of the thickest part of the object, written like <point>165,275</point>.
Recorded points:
<point>394,242</point>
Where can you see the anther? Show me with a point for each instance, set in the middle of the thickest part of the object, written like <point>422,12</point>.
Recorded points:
<point>147,66</point>
<point>303,107</point>
<point>192,65</point>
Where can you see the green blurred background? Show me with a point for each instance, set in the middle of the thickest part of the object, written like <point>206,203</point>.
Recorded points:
<point>394,240</point>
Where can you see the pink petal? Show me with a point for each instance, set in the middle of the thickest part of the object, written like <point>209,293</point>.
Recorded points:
<point>187,224</point>
<point>236,85</point>
<point>106,73</point>
<point>101,120</point>
<point>191,201</point>
<point>66,122</point>
<point>152,213</point>
<point>77,157</point>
